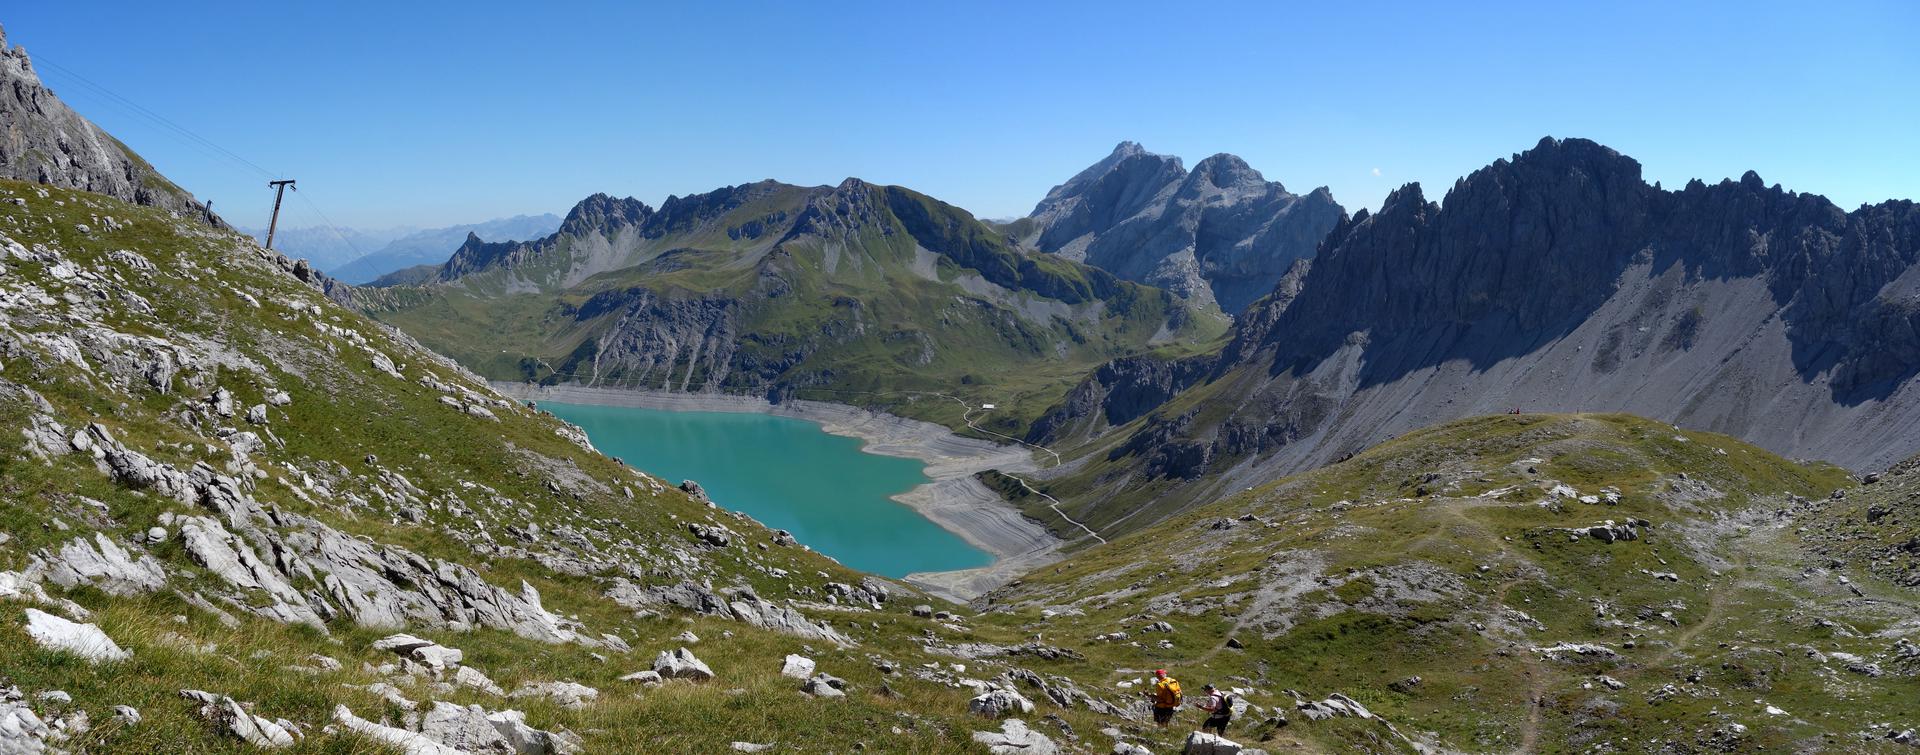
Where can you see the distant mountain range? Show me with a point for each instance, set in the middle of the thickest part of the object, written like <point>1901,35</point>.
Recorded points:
<point>361,255</point>
<point>433,246</point>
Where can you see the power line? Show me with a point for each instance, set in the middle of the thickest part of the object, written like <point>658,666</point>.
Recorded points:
<point>156,117</point>
<point>194,139</point>
<point>328,222</point>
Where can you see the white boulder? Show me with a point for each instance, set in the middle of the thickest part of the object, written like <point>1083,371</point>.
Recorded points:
<point>84,640</point>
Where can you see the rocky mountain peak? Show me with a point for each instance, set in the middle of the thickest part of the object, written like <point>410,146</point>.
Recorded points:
<point>1227,171</point>
<point>46,142</point>
<point>1128,176</point>
<point>1222,233</point>
<point>602,212</point>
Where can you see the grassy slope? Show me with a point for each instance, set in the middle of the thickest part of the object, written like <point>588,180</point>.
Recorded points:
<point>343,410</point>
<point>1392,586</point>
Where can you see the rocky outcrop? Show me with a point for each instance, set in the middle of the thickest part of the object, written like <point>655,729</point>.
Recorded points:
<point>739,605</point>
<point>996,703</point>
<point>1558,280</point>
<point>44,141</point>
<point>375,585</point>
<point>103,564</point>
<point>1221,233</point>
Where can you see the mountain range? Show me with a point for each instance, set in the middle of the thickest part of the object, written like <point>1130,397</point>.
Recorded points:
<point>239,515</point>
<point>1557,280</point>
<point>855,292</point>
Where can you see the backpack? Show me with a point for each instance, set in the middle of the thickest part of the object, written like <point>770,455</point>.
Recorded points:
<point>1225,707</point>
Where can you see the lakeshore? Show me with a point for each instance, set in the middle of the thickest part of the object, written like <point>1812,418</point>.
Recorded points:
<point>951,498</point>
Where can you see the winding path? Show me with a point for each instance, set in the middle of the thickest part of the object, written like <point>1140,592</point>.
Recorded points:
<point>1052,503</point>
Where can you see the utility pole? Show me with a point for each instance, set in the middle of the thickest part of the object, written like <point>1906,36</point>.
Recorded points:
<point>279,190</point>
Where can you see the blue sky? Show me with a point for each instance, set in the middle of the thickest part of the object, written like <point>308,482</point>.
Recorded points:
<point>435,113</point>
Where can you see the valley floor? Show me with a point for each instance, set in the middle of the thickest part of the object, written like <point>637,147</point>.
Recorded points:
<point>952,498</point>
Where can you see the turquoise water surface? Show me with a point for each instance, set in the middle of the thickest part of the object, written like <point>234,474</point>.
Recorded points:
<point>790,475</point>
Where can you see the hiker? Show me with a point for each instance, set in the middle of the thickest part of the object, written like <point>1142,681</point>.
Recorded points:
<point>1166,698</point>
<point>1219,708</point>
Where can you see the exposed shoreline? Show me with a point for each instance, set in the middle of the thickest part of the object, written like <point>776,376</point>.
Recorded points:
<point>952,498</point>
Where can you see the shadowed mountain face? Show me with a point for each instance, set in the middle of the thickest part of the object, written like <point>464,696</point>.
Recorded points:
<point>1556,280</point>
<point>1221,233</point>
<point>44,141</point>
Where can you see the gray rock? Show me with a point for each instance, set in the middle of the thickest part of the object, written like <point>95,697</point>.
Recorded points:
<point>21,731</point>
<point>740,605</point>
<point>231,716</point>
<point>797,667</point>
<point>1336,705</point>
<point>823,685</point>
<point>751,747</point>
<point>126,714</point>
<point>257,414</point>
<point>427,652</point>
<point>84,640</point>
<point>466,728</point>
<point>409,743</point>
<point>527,740</point>
<point>999,702</point>
<point>1128,748</point>
<point>221,402</point>
<point>565,694</point>
<point>102,563</point>
<point>713,536</point>
<point>1202,743</point>
<point>468,676</point>
<point>681,664</point>
<point>1014,738</point>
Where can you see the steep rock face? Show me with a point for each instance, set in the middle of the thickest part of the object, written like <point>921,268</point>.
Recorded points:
<point>658,342</point>
<point>44,141</point>
<point>1221,233</point>
<point>598,218</point>
<point>1558,280</point>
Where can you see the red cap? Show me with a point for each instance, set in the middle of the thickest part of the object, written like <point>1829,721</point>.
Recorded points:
<point>1160,671</point>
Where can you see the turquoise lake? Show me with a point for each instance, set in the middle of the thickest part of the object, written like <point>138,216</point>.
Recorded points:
<point>790,475</point>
